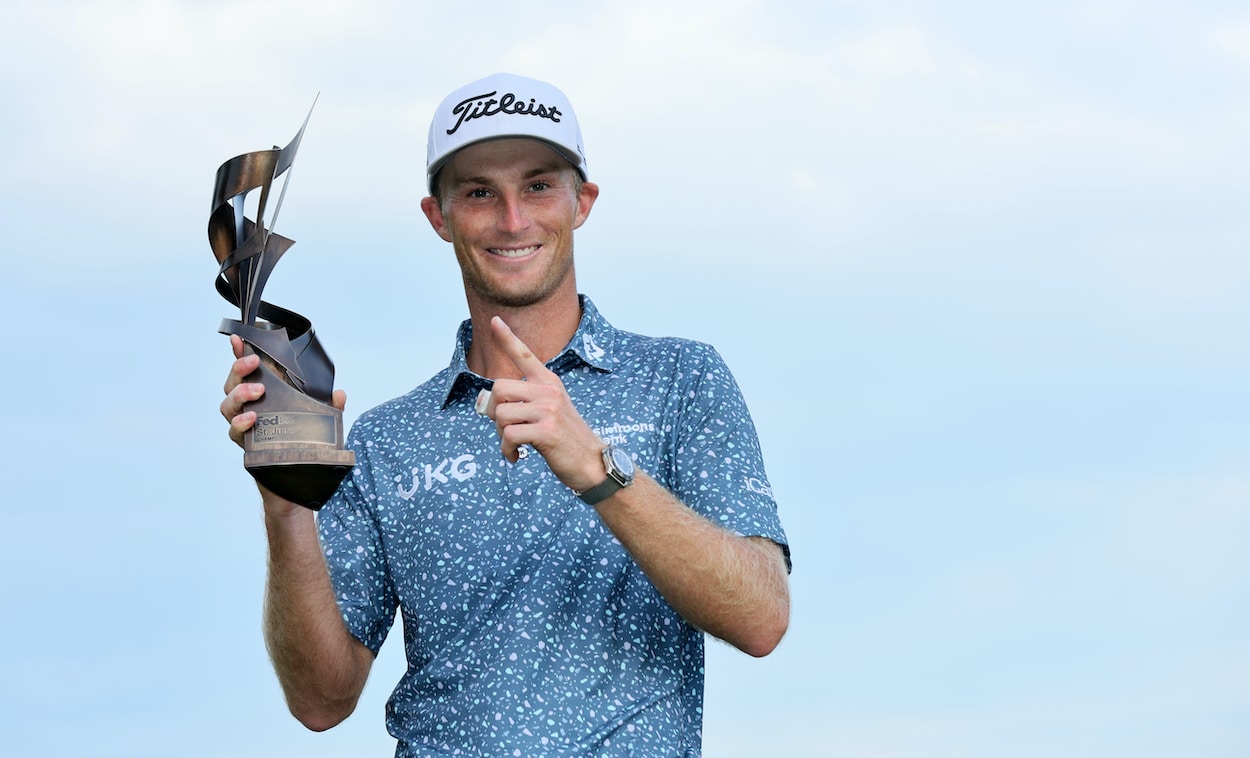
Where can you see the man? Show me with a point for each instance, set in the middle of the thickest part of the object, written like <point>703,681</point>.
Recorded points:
<point>554,596</point>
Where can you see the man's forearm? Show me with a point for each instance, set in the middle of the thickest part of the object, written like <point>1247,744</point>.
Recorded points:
<point>321,666</point>
<point>734,588</point>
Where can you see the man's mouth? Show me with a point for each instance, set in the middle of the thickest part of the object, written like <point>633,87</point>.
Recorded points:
<point>513,252</point>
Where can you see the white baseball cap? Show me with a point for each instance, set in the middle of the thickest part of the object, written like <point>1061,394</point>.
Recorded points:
<point>501,106</point>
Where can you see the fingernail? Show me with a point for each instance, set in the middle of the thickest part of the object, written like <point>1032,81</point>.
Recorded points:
<point>483,398</point>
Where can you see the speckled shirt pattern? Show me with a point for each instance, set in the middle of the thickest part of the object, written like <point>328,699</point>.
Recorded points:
<point>529,631</point>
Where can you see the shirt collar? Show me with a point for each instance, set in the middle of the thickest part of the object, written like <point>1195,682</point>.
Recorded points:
<point>593,344</point>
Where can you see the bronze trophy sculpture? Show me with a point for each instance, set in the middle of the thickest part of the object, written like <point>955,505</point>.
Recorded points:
<point>296,448</point>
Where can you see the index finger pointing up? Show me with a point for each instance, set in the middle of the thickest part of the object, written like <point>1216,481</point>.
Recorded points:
<point>522,357</point>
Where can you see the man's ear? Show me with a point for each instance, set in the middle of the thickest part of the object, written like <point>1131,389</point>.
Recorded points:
<point>585,201</point>
<point>434,212</point>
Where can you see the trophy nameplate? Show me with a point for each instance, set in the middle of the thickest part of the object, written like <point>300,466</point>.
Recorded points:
<point>296,448</point>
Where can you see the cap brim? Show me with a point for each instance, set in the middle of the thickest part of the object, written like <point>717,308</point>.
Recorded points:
<point>573,158</point>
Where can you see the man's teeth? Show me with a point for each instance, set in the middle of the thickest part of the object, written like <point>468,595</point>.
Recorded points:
<point>520,252</point>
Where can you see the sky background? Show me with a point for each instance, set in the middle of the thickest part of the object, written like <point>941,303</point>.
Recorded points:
<point>980,270</point>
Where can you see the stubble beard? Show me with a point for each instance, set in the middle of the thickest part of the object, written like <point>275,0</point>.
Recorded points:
<point>487,292</point>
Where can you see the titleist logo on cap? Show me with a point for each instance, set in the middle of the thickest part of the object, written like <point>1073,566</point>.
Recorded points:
<point>480,106</point>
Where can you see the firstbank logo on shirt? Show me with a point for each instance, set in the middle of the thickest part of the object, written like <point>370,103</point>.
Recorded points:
<point>618,434</point>
<point>431,476</point>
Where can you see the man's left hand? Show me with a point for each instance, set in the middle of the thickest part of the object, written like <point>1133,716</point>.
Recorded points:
<point>537,411</point>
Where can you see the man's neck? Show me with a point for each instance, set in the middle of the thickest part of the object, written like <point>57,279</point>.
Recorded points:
<point>545,328</point>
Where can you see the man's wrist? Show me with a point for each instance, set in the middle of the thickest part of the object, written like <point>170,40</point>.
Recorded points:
<point>619,473</point>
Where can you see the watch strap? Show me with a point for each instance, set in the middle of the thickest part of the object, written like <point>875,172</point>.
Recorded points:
<point>618,477</point>
<point>601,491</point>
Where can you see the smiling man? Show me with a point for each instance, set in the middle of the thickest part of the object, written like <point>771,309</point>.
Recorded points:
<point>559,516</point>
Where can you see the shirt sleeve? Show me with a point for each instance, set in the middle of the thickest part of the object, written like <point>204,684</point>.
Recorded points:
<point>352,544</point>
<point>719,467</point>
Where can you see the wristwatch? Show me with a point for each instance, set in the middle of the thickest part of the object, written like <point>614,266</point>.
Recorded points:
<point>620,468</point>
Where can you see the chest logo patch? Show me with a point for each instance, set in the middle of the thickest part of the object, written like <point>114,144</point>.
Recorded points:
<point>430,476</point>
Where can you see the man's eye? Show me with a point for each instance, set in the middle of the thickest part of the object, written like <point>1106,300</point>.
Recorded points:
<point>540,186</point>
<point>479,193</point>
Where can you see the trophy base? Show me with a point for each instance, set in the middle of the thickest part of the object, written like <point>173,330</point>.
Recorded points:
<point>296,448</point>
<point>291,475</point>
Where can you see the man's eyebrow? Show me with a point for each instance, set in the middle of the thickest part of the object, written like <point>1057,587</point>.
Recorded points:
<point>549,168</point>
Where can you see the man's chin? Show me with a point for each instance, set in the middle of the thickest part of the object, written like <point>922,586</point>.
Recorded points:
<point>511,298</point>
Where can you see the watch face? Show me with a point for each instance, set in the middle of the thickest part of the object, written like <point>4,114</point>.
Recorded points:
<point>623,462</point>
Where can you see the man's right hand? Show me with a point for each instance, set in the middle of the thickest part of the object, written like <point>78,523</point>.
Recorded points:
<point>240,392</point>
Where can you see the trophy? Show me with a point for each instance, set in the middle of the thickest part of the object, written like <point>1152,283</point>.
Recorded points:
<point>296,446</point>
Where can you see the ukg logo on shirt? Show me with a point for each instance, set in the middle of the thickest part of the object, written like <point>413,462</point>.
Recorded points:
<point>427,478</point>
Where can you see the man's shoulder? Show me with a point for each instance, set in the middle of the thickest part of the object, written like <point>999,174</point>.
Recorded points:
<point>629,346</point>
<point>645,350</point>
<point>637,343</point>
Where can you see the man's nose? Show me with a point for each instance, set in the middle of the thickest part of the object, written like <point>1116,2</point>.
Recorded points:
<point>512,214</point>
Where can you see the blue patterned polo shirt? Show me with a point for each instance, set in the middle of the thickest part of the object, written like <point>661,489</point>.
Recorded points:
<point>528,628</point>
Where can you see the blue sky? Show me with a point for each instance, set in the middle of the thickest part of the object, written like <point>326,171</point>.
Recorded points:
<point>980,271</point>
